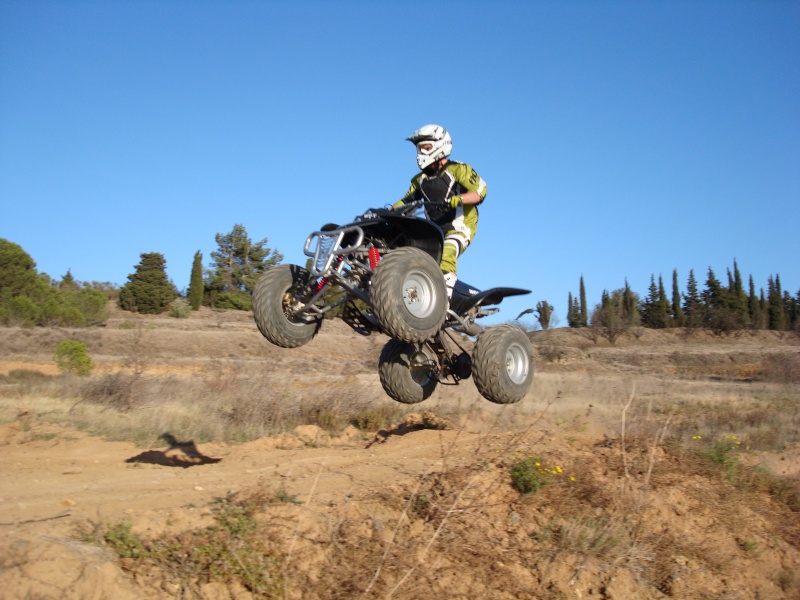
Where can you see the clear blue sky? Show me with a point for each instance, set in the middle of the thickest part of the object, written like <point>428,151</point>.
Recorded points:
<point>618,139</point>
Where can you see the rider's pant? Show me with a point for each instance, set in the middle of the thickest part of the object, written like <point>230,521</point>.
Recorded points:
<point>455,243</point>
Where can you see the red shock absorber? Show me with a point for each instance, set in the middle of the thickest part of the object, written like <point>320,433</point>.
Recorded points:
<point>321,283</point>
<point>374,258</point>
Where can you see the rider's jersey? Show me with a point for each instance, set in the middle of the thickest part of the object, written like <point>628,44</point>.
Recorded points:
<point>436,188</point>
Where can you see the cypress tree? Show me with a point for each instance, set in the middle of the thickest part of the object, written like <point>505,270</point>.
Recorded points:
<point>678,318</point>
<point>584,310</point>
<point>663,311</point>
<point>195,293</point>
<point>571,320</point>
<point>754,307</point>
<point>544,314</point>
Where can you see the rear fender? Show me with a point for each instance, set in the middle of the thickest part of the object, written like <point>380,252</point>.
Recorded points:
<point>465,297</point>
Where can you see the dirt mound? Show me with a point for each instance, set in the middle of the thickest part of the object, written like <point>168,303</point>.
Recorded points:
<point>409,513</point>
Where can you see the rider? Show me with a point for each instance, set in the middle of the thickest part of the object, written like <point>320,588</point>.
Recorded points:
<point>451,191</point>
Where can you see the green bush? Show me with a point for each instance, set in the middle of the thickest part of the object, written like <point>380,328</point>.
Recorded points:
<point>19,311</point>
<point>529,475</point>
<point>236,300</point>
<point>180,308</point>
<point>71,357</point>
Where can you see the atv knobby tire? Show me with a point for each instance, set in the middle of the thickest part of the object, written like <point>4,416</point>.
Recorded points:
<point>409,296</point>
<point>272,300</point>
<point>407,372</point>
<point>502,364</point>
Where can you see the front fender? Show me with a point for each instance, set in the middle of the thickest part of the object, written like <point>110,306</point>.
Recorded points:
<point>399,231</point>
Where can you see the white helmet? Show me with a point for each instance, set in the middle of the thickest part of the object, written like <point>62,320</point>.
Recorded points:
<point>439,140</point>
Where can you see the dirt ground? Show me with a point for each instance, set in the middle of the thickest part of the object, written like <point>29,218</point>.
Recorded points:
<point>354,528</point>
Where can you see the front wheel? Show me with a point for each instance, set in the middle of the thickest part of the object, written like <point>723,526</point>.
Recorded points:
<point>408,372</point>
<point>409,296</point>
<point>502,364</point>
<point>277,292</point>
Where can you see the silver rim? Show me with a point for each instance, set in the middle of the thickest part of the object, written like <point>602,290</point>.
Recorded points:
<point>420,368</point>
<point>419,294</point>
<point>517,363</point>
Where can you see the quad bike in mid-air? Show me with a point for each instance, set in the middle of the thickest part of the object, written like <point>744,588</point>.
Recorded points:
<point>381,273</point>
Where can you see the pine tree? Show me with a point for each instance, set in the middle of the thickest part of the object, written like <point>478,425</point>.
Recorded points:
<point>777,309</point>
<point>791,308</point>
<point>18,274</point>
<point>692,303</point>
<point>616,314</point>
<point>238,262</point>
<point>648,307</point>
<point>737,298</point>
<point>195,293</point>
<point>68,282</point>
<point>723,310</point>
<point>630,304</point>
<point>678,318</point>
<point>574,312</point>
<point>714,303</point>
<point>572,319</point>
<point>655,307</point>
<point>236,267</point>
<point>148,290</point>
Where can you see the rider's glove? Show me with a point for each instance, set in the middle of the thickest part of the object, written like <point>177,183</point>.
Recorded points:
<point>455,201</point>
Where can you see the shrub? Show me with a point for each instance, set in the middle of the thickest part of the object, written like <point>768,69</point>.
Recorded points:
<point>236,300</point>
<point>180,308</point>
<point>528,474</point>
<point>236,548</point>
<point>71,357</point>
<point>19,311</point>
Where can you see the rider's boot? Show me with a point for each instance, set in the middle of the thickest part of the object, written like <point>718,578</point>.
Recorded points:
<point>450,281</point>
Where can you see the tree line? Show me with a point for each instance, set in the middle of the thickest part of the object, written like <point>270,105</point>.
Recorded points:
<point>227,283</point>
<point>721,307</point>
<point>30,298</point>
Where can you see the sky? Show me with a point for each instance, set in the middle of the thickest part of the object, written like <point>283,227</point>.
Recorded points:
<point>618,140</point>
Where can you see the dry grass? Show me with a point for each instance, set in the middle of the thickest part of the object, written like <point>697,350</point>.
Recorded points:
<point>637,454</point>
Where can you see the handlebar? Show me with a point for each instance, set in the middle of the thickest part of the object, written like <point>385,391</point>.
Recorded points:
<point>404,210</point>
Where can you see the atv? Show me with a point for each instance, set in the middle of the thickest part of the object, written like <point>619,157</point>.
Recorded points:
<point>380,273</point>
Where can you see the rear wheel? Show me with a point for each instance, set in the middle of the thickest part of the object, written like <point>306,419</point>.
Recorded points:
<point>408,372</point>
<point>502,364</point>
<point>275,295</point>
<point>409,295</point>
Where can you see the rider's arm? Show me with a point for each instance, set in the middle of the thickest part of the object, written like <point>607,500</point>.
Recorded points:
<point>469,179</point>
<point>471,198</point>
<point>411,194</point>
